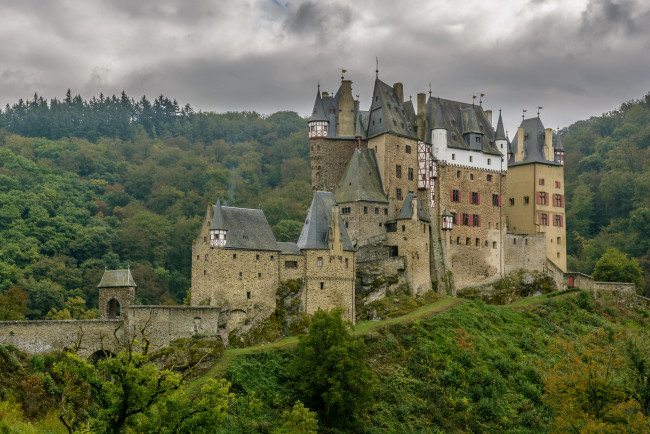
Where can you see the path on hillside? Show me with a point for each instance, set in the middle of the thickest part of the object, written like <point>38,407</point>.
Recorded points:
<point>220,366</point>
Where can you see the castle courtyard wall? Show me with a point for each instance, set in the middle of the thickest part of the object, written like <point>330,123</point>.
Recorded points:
<point>523,251</point>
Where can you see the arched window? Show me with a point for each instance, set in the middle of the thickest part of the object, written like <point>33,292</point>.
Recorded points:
<point>113,309</point>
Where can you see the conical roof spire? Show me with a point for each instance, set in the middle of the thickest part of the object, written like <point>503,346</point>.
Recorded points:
<point>500,134</point>
<point>438,122</point>
<point>217,220</point>
<point>318,113</point>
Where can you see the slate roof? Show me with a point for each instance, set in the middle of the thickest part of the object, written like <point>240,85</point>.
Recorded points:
<point>315,232</point>
<point>407,210</point>
<point>288,248</point>
<point>318,113</point>
<point>387,113</point>
<point>500,133</point>
<point>534,137</point>
<point>117,279</point>
<point>361,180</point>
<point>247,228</point>
<point>460,118</point>
<point>558,142</point>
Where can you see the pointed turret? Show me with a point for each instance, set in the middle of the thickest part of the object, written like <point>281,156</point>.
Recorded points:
<point>218,230</point>
<point>318,123</point>
<point>500,140</point>
<point>438,122</point>
<point>559,148</point>
<point>438,133</point>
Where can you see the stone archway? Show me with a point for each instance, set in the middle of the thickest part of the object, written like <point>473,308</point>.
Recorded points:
<point>99,355</point>
<point>113,308</point>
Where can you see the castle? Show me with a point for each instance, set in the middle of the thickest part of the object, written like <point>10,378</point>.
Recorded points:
<point>434,186</point>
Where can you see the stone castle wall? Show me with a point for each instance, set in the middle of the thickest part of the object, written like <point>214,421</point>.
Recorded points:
<point>366,220</point>
<point>475,254</point>
<point>329,158</point>
<point>331,284</point>
<point>526,252</point>
<point>412,240</point>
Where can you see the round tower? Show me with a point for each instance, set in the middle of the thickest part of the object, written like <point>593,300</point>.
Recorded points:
<point>559,148</point>
<point>318,123</point>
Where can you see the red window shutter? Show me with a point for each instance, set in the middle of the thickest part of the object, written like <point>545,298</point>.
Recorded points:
<point>562,220</point>
<point>451,195</point>
<point>539,217</point>
<point>539,198</point>
<point>499,200</point>
<point>553,218</point>
<point>479,220</point>
<point>470,220</point>
<point>562,201</point>
<point>478,198</point>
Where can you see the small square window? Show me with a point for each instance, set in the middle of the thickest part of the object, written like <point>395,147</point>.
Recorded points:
<point>453,156</point>
<point>248,295</point>
<point>259,275</point>
<point>376,210</point>
<point>322,285</point>
<point>458,174</point>
<point>272,258</point>
<point>403,228</point>
<point>319,261</point>
<point>257,257</point>
<point>241,274</point>
<point>471,175</point>
<point>489,178</point>
<point>365,210</point>
<point>205,272</point>
<point>494,244</point>
<point>206,257</point>
<point>471,159</point>
<point>512,201</point>
<point>234,255</point>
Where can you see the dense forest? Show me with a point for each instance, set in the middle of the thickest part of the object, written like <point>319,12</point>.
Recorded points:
<point>116,182</point>
<point>608,186</point>
<point>113,183</point>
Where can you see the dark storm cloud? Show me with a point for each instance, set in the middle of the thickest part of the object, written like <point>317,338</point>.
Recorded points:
<point>319,19</point>
<point>602,17</point>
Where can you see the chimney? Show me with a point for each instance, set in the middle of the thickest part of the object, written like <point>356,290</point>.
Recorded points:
<point>399,90</point>
<point>488,115</point>
<point>548,141</point>
<point>335,230</point>
<point>520,144</point>
<point>414,207</point>
<point>345,116</point>
<point>325,94</point>
<point>422,97</point>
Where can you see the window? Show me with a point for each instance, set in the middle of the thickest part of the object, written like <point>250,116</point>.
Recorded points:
<point>391,227</point>
<point>465,219</point>
<point>241,274</point>
<point>322,285</point>
<point>496,200</point>
<point>471,175</point>
<point>489,161</point>
<point>319,261</point>
<point>458,174</point>
<point>543,219</point>
<point>477,242</point>
<point>408,149</point>
<point>197,257</point>
<point>346,262</point>
<point>398,194</point>
<point>398,171</point>
<point>541,198</point>
<point>205,272</point>
<point>512,201</point>
<point>471,158</point>
<point>410,174</point>
<point>559,240</point>
<point>558,200</point>
<point>272,257</point>
<point>346,210</point>
<point>476,220</point>
<point>385,211</point>
<point>494,244</point>
<point>526,200</point>
<point>291,264</point>
<point>467,241</point>
<point>234,255</point>
<point>478,139</point>
<point>259,275</point>
<point>489,178</point>
<point>376,211</point>
<point>206,257</point>
<point>458,241</point>
<point>257,257</point>
<point>474,198</point>
<point>248,295</point>
<point>346,225</point>
<point>558,220</point>
<point>455,195</point>
<point>393,251</point>
<point>453,156</point>
<point>205,239</point>
<point>365,210</point>
<point>558,184</point>
<point>403,228</point>
<point>541,181</point>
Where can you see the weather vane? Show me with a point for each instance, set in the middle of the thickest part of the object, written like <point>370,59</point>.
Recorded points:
<point>343,71</point>
<point>377,68</point>
<point>523,114</point>
<point>430,90</point>
<point>480,101</point>
<point>539,107</point>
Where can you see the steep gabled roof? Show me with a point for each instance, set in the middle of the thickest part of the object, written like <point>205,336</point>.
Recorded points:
<point>407,210</point>
<point>117,279</point>
<point>361,180</point>
<point>315,232</point>
<point>247,228</point>
<point>460,118</point>
<point>387,113</point>
<point>288,248</point>
<point>534,141</point>
<point>558,142</point>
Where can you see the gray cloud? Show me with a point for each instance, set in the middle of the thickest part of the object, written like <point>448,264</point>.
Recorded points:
<point>320,20</point>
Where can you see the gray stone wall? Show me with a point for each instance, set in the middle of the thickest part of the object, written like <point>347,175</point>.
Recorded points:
<point>329,158</point>
<point>365,221</point>
<point>584,281</point>
<point>526,252</point>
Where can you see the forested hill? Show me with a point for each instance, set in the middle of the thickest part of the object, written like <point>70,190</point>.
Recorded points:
<point>608,186</point>
<point>113,183</point>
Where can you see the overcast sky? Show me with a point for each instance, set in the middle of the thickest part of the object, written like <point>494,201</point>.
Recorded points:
<point>575,58</point>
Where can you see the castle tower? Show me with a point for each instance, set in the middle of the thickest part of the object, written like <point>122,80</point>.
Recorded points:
<point>218,230</point>
<point>559,149</point>
<point>500,139</point>
<point>536,189</point>
<point>439,135</point>
<point>318,123</point>
<point>116,292</point>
